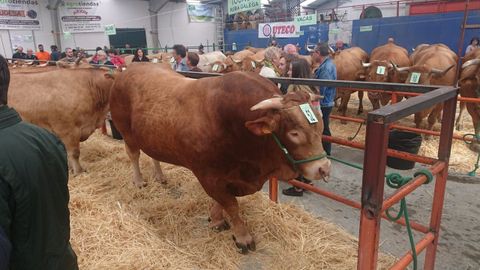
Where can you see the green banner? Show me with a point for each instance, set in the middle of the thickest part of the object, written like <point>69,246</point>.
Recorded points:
<point>310,19</point>
<point>110,30</point>
<point>367,28</point>
<point>236,6</point>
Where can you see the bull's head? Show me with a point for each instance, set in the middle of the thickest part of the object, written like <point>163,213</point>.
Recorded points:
<point>422,74</point>
<point>378,71</point>
<point>297,130</point>
<point>218,67</point>
<point>470,77</point>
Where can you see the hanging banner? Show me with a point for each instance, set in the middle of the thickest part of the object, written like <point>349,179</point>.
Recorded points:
<point>200,13</point>
<point>21,15</point>
<point>278,30</point>
<point>80,16</point>
<point>309,19</point>
<point>236,6</point>
<point>110,30</point>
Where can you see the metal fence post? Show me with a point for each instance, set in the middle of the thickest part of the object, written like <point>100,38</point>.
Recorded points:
<point>375,159</point>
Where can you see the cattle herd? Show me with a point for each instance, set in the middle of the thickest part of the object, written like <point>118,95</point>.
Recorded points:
<point>233,131</point>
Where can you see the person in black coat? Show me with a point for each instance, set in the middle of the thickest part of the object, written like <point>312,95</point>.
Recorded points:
<point>19,54</point>
<point>140,56</point>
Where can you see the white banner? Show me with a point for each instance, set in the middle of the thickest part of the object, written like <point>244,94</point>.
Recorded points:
<point>21,15</point>
<point>80,16</point>
<point>278,30</point>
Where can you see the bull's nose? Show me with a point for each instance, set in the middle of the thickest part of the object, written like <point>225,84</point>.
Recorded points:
<point>325,169</point>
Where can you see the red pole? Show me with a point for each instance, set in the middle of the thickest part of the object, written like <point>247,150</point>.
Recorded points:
<point>408,258</point>
<point>273,189</point>
<point>375,159</point>
<point>444,149</point>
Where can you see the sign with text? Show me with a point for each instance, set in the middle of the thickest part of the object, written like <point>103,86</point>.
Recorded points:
<point>236,6</point>
<point>278,30</point>
<point>110,30</point>
<point>309,19</point>
<point>81,16</point>
<point>200,12</point>
<point>24,15</point>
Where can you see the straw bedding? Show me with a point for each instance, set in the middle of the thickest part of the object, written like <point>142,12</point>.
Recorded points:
<point>462,159</point>
<point>117,226</point>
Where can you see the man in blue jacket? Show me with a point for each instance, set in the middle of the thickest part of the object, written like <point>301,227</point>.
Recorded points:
<point>326,71</point>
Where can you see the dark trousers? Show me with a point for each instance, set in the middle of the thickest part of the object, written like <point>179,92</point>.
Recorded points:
<point>326,128</point>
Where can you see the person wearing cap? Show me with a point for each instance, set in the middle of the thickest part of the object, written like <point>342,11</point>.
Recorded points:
<point>55,55</point>
<point>326,71</point>
<point>42,55</point>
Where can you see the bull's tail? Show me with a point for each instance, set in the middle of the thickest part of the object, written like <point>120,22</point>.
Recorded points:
<point>4,80</point>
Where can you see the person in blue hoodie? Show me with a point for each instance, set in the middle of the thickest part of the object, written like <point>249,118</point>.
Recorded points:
<point>326,71</point>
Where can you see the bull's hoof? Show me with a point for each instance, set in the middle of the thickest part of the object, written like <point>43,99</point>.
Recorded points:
<point>219,227</point>
<point>242,248</point>
<point>140,184</point>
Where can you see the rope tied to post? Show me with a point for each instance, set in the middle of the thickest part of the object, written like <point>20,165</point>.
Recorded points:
<point>396,181</point>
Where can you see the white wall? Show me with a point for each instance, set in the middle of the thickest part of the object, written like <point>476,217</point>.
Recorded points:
<point>122,13</point>
<point>174,27</point>
<point>389,8</point>
<point>43,36</point>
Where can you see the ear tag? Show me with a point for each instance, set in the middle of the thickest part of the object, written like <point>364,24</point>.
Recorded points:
<point>155,60</point>
<point>215,68</point>
<point>253,64</point>
<point>415,77</point>
<point>381,70</point>
<point>308,112</point>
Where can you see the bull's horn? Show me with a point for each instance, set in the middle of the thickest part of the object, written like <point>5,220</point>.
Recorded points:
<point>471,63</point>
<point>224,66</point>
<point>272,103</point>
<point>366,65</point>
<point>236,60</point>
<point>400,69</point>
<point>331,49</point>
<point>441,72</point>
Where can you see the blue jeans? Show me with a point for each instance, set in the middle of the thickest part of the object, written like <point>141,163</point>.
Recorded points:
<point>326,128</point>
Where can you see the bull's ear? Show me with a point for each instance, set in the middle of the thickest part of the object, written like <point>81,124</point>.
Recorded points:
<point>110,76</point>
<point>262,126</point>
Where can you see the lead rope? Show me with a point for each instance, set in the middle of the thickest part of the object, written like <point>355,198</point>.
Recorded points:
<point>476,140</point>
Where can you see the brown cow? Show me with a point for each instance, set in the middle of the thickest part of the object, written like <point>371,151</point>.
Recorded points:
<point>70,103</point>
<point>469,87</point>
<point>349,68</point>
<point>380,69</point>
<point>221,128</point>
<point>231,63</point>
<point>433,65</point>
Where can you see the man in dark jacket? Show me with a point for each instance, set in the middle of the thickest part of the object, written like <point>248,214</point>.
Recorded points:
<point>34,214</point>
<point>19,54</point>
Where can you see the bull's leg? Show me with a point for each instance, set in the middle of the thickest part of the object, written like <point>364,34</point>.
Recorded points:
<point>360,100</point>
<point>459,121</point>
<point>72,144</point>
<point>159,176</point>
<point>418,120</point>
<point>432,119</point>
<point>374,100</point>
<point>241,236</point>
<point>217,219</point>
<point>344,106</point>
<point>134,155</point>
<point>474,111</point>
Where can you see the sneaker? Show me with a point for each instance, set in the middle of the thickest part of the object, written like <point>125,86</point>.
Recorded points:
<point>293,191</point>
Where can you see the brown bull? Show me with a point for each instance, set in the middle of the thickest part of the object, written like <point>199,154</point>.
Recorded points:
<point>470,87</point>
<point>232,62</point>
<point>433,65</point>
<point>70,103</point>
<point>221,128</point>
<point>380,69</point>
<point>349,68</point>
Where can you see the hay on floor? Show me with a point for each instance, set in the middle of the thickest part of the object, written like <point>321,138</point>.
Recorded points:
<point>117,226</point>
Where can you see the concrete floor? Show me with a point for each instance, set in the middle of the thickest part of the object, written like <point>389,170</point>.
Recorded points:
<point>459,246</point>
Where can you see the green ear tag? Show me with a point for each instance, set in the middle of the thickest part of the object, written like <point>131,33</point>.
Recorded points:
<point>308,112</point>
<point>415,77</point>
<point>381,70</point>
